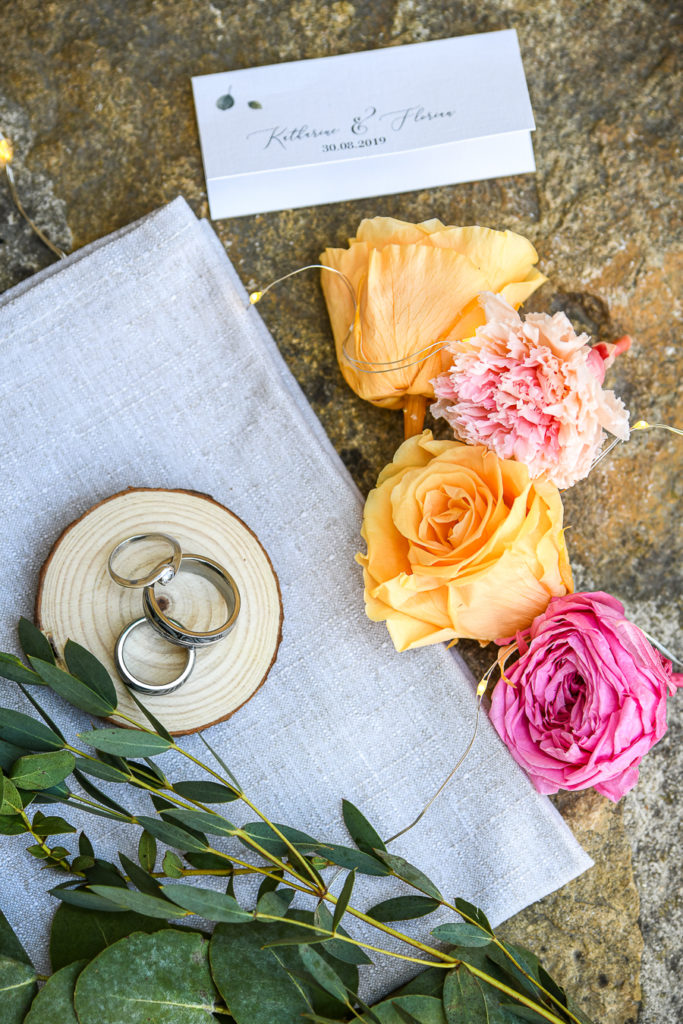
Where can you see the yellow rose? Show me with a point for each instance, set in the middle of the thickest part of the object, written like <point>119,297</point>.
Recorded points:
<point>417,285</point>
<point>460,543</point>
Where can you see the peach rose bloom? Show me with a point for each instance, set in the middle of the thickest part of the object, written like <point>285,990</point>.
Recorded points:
<point>460,543</point>
<point>417,285</point>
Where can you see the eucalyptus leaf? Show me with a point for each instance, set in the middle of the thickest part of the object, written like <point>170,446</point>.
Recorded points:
<point>103,872</point>
<point>172,865</point>
<point>154,722</point>
<point>125,742</point>
<point>54,1003</point>
<point>52,826</point>
<point>461,934</point>
<point>17,989</point>
<point>162,978</point>
<point>403,908</point>
<point>361,831</point>
<point>345,857</point>
<point>42,712</point>
<point>11,825</point>
<point>209,862</point>
<point>347,971</point>
<point>427,983</point>
<point>24,731</point>
<point>10,801</point>
<point>347,952</point>
<point>251,979</point>
<point>468,910</point>
<point>214,824</point>
<point>147,851</point>
<point>274,904</point>
<point>40,771</point>
<point>34,644</point>
<point>410,874</point>
<point>9,754</point>
<point>343,900</point>
<point>205,792</point>
<point>172,835</point>
<point>85,846</point>
<point>140,878</point>
<point>323,973</point>
<point>425,1009</point>
<point>467,1001</point>
<point>75,691</point>
<point>85,666</point>
<point>78,933</point>
<point>522,980</point>
<point>140,902</point>
<point>9,943</point>
<point>97,794</point>
<point>208,903</point>
<point>84,898</point>
<point>100,770</point>
<point>265,837</point>
<point>220,761</point>
<point>57,794</point>
<point>14,670</point>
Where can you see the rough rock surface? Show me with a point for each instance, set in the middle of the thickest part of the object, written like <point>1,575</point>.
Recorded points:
<point>97,99</point>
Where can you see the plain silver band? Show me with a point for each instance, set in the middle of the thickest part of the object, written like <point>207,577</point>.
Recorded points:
<point>199,565</point>
<point>163,572</point>
<point>139,684</point>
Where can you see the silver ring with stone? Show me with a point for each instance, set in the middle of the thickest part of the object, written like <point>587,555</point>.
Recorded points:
<point>162,573</point>
<point>178,634</point>
<point>140,685</point>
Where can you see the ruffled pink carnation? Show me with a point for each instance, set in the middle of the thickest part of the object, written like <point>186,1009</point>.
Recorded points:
<point>531,390</point>
<point>586,699</point>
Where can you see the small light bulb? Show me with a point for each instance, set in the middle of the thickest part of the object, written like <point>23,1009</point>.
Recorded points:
<point>6,152</point>
<point>254,297</point>
<point>640,425</point>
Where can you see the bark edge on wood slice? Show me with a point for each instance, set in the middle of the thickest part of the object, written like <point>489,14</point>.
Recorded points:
<point>78,600</point>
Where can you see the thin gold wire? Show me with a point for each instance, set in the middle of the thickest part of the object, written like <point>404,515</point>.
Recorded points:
<point>5,163</point>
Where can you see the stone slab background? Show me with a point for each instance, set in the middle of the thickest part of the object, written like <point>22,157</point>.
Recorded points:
<point>96,97</point>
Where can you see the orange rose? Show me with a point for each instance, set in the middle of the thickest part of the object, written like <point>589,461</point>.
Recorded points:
<point>416,285</point>
<point>460,543</point>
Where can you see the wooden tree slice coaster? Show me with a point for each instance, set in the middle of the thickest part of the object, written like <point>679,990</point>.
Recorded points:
<point>78,600</point>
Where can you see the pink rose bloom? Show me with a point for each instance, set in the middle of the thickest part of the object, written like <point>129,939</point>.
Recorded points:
<point>586,698</point>
<point>531,390</point>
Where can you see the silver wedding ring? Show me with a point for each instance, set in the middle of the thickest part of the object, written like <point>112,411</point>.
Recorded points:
<point>163,572</point>
<point>169,629</point>
<point>140,685</point>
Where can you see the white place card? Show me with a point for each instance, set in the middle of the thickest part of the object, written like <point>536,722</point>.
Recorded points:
<point>364,124</point>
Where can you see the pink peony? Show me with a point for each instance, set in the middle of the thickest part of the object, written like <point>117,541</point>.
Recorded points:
<point>531,390</point>
<point>586,698</point>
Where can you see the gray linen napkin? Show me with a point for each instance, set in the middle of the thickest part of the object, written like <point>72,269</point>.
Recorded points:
<point>138,362</point>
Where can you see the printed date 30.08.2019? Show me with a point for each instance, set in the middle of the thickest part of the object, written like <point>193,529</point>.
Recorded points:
<point>335,147</point>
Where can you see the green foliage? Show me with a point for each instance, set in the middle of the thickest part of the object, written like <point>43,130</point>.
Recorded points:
<point>206,792</point>
<point>361,831</point>
<point>17,989</point>
<point>112,948</point>
<point>251,979</point>
<point>214,906</point>
<point>34,644</point>
<point>458,934</point>
<point>54,1004</point>
<point>80,934</point>
<point>84,666</point>
<point>40,771</point>
<point>162,978</point>
<point>24,731</point>
<point>403,908</point>
<point>412,875</point>
<point>125,742</point>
